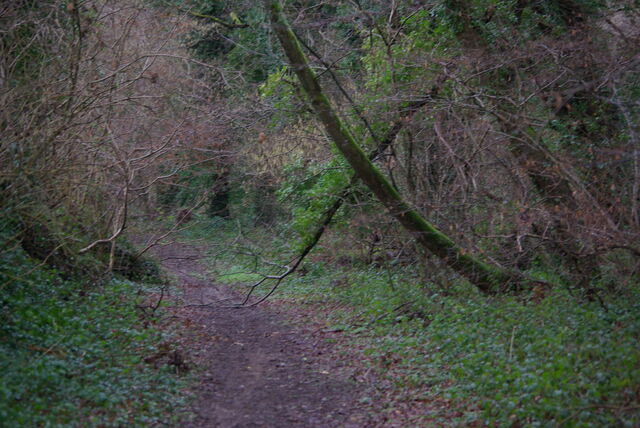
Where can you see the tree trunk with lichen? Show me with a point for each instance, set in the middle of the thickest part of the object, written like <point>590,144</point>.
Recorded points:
<point>487,277</point>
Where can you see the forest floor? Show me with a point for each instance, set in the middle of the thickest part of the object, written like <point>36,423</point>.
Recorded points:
<point>254,368</point>
<point>354,347</point>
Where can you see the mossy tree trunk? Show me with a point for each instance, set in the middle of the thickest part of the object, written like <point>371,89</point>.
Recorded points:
<point>487,277</point>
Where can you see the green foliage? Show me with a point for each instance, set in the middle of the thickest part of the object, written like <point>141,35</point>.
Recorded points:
<point>72,354</point>
<point>444,29</point>
<point>278,90</point>
<point>554,362</point>
<point>310,189</point>
<point>502,23</point>
<point>246,50</point>
<point>252,52</point>
<point>432,30</point>
<point>190,184</point>
<point>187,187</point>
<point>385,75</point>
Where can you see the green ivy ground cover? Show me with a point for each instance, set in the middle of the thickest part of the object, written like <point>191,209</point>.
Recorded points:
<point>509,360</point>
<point>72,354</point>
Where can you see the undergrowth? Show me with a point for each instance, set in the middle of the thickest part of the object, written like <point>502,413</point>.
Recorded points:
<point>73,353</point>
<point>531,360</point>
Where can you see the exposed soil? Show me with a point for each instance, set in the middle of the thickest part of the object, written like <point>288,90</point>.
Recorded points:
<point>257,371</point>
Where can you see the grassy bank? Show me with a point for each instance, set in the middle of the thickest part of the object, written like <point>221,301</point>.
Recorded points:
<point>76,353</point>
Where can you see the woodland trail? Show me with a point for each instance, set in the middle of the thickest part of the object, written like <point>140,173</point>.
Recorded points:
<point>256,370</point>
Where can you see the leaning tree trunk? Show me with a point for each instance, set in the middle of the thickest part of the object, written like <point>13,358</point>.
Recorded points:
<point>487,277</point>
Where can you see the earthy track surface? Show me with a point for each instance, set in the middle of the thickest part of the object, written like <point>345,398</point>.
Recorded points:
<point>258,372</point>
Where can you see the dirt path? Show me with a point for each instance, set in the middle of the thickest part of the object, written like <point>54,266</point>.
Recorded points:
<point>258,372</point>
